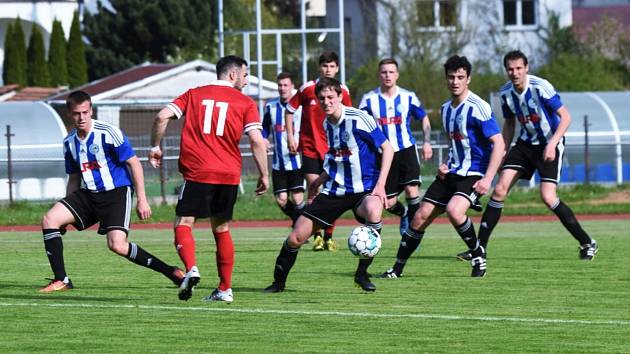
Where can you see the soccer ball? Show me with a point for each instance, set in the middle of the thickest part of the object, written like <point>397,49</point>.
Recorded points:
<point>364,242</point>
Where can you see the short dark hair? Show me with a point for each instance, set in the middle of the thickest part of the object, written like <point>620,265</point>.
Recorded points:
<point>328,56</point>
<point>76,98</point>
<point>228,63</point>
<point>387,61</point>
<point>514,55</point>
<point>455,63</point>
<point>327,82</point>
<point>284,75</point>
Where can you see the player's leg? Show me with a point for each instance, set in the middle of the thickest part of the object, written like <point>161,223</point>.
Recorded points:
<point>310,168</point>
<point>588,246</point>
<point>53,222</point>
<point>280,191</point>
<point>296,193</point>
<point>492,214</point>
<point>289,251</point>
<point>433,204</point>
<point>411,180</point>
<point>113,209</point>
<point>370,211</point>
<point>298,200</point>
<point>222,200</point>
<point>192,204</point>
<point>456,211</point>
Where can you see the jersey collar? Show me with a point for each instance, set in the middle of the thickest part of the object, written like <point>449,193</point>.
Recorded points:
<point>222,83</point>
<point>380,92</point>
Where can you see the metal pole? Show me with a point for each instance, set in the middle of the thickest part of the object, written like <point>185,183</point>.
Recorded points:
<point>221,38</point>
<point>342,44</point>
<point>259,57</point>
<point>587,162</point>
<point>303,36</point>
<point>9,164</point>
<point>278,53</point>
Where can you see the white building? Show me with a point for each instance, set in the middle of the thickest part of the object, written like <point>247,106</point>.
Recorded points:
<point>488,28</point>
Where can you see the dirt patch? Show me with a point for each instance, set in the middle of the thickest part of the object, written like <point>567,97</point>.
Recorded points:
<point>620,197</point>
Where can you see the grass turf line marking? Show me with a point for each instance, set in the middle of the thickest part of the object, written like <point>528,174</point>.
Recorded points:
<point>328,313</point>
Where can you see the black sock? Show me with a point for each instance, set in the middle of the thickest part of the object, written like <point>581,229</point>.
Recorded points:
<point>297,211</point>
<point>54,250</point>
<point>413,204</point>
<point>288,209</point>
<point>467,232</point>
<point>408,244</point>
<point>364,263</point>
<point>328,233</point>
<point>139,256</point>
<point>489,220</point>
<point>397,209</point>
<point>284,262</point>
<point>569,221</point>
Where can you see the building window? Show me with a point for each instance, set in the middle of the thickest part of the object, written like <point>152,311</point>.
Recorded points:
<point>437,14</point>
<point>519,13</point>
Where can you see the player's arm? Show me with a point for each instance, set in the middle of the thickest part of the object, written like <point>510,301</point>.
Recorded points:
<point>259,152</point>
<point>313,188</point>
<point>508,132</point>
<point>74,183</point>
<point>157,132</point>
<point>427,151</point>
<point>288,122</point>
<point>565,121</point>
<point>386,162</point>
<point>483,185</point>
<point>137,175</point>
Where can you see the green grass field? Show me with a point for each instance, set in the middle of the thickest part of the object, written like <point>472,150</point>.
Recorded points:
<point>536,297</point>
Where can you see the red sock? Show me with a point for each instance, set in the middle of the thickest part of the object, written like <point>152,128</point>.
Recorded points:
<point>185,245</point>
<point>225,258</point>
<point>328,232</point>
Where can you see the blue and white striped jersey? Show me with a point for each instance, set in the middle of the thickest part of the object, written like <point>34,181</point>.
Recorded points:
<point>469,125</point>
<point>274,125</point>
<point>535,108</point>
<point>393,115</point>
<point>100,157</point>
<point>352,162</point>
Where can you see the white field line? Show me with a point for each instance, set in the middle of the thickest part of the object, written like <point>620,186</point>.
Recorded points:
<point>325,313</point>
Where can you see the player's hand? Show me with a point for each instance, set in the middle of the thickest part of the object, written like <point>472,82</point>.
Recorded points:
<point>379,191</point>
<point>292,145</point>
<point>482,186</point>
<point>262,185</point>
<point>442,171</point>
<point>155,157</point>
<point>549,154</point>
<point>427,151</point>
<point>143,209</point>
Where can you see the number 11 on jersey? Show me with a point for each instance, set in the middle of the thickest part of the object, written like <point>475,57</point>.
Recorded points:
<point>207,119</point>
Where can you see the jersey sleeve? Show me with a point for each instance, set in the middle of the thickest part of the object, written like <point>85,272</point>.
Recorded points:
<point>367,127</point>
<point>266,123</point>
<point>251,119</point>
<point>179,105</point>
<point>550,97</point>
<point>124,151</point>
<point>364,106</point>
<point>295,102</point>
<point>505,108</point>
<point>71,165</point>
<point>415,106</point>
<point>489,127</point>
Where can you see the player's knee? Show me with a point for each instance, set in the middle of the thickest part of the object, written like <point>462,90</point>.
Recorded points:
<point>282,202</point>
<point>50,222</point>
<point>120,248</point>
<point>549,200</point>
<point>500,191</point>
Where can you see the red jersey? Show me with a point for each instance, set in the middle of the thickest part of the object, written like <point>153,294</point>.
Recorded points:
<point>217,115</point>
<point>313,141</point>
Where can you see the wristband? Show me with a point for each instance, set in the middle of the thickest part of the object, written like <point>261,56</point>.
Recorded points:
<point>155,148</point>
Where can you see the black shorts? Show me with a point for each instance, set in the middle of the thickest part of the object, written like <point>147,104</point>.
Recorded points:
<point>441,191</point>
<point>311,165</point>
<point>203,200</point>
<point>325,209</point>
<point>528,159</point>
<point>287,181</point>
<point>405,171</point>
<point>112,209</point>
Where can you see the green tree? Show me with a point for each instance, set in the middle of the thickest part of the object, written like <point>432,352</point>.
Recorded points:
<point>57,65</point>
<point>75,56</point>
<point>36,54</point>
<point>18,60</point>
<point>155,30</point>
<point>8,68</point>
